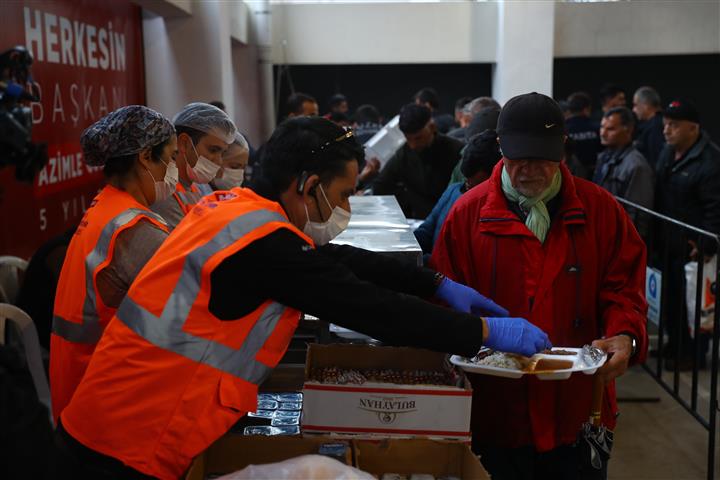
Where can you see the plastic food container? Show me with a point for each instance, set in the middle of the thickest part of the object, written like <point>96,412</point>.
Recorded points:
<point>542,365</point>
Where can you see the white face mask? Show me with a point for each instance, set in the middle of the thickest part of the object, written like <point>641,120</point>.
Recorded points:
<point>323,232</point>
<point>234,176</point>
<point>203,171</point>
<point>166,187</point>
<point>171,175</point>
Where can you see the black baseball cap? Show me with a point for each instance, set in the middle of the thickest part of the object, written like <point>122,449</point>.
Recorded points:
<point>532,126</point>
<point>681,109</point>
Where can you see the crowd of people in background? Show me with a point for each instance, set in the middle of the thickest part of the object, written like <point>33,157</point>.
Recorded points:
<point>651,153</point>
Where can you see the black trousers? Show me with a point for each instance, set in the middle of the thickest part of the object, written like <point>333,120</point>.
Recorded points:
<point>563,463</point>
<point>72,459</point>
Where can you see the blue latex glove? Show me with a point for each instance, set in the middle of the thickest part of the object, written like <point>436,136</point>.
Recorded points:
<point>466,299</point>
<point>515,335</point>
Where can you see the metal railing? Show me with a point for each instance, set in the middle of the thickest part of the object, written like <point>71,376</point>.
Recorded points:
<point>667,250</point>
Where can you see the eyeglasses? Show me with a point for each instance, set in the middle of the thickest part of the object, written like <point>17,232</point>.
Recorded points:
<point>344,136</point>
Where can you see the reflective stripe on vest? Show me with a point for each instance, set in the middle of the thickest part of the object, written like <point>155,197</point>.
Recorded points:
<point>90,330</point>
<point>187,198</point>
<point>204,189</point>
<point>167,331</point>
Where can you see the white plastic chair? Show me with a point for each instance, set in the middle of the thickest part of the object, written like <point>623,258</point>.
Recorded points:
<point>11,269</point>
<point>31,345</point>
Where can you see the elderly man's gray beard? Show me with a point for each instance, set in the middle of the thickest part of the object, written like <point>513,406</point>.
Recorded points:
<point>533,188</point>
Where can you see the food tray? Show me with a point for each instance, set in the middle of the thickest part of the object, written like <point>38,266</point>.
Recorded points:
<point>580,363</point>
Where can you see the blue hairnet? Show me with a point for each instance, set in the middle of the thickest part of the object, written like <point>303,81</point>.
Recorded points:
<point>125,131</point>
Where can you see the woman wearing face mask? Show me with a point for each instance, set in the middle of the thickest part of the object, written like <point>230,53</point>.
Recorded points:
<point>213,312</point>
<point>136,147</point>
<point>234,163</point>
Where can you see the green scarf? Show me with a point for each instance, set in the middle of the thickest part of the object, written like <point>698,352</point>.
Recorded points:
<point>538,220</point>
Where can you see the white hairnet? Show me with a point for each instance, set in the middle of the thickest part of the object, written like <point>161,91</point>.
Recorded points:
<point>207,119</point>
<point>240,141</point>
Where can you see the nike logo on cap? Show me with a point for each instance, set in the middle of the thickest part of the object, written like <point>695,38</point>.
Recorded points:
<point>549,125</point>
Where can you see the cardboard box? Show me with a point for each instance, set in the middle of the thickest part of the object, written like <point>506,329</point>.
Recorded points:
<point>382,409</point>
<point>405,457</point>
<point>440,459</point>
<point>235,452</point>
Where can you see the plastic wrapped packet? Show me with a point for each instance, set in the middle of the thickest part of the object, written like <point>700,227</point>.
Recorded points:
<point>261,430</point>
<point>286,414</point>
<point>290,406</point>
<point>267,396</point>
<point>421,476</point>
<point>288,430</point>
<point>300,468</point>
<point>262,414</point>
<point>338,450</point>
<point>268,405</point>
<point>289,397</point>
<point>279,421</point>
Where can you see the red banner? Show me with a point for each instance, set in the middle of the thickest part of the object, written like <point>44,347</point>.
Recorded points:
<point>88,62</point>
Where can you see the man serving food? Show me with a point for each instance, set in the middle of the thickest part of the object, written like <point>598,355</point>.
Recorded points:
<point>562,253</point>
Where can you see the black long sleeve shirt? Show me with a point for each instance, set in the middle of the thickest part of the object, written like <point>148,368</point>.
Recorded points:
<point>418,179</point>
<point>354,288</point>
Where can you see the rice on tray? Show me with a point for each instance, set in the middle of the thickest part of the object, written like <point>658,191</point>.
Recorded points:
<point>500,360</point>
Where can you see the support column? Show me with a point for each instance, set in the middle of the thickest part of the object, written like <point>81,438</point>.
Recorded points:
<point>525,48</point>
<point>262,24</point>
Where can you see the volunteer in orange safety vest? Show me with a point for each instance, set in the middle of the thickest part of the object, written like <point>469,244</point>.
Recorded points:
<point>136,147</point>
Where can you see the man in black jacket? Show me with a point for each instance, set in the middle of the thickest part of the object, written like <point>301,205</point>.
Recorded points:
<point>649,138</point>
<point>585,134</point>
<point>688,190</point>
<point>420,171</point>
<point>688,170</point>
<point>621,169</point>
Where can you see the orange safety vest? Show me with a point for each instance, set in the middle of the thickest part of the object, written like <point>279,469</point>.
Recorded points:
<point>79,314</point>
<point>168,377</point>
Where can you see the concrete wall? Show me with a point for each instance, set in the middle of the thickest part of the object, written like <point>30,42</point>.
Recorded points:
<point>192,58</point>
<point>403,32</point>
<point>637,28</point>
<point>400,32</point>
<point>246,83</point>
<point>183,59</point>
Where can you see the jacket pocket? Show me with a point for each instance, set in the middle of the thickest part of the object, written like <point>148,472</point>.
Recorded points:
<point>236,394</point>
<point>279,339</point>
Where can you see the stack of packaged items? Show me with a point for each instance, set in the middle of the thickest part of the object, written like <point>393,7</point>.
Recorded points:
<point>277,414</point>
<point>344,376</point>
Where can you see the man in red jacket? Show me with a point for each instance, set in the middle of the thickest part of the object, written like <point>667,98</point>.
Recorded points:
<point>562,253</point>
